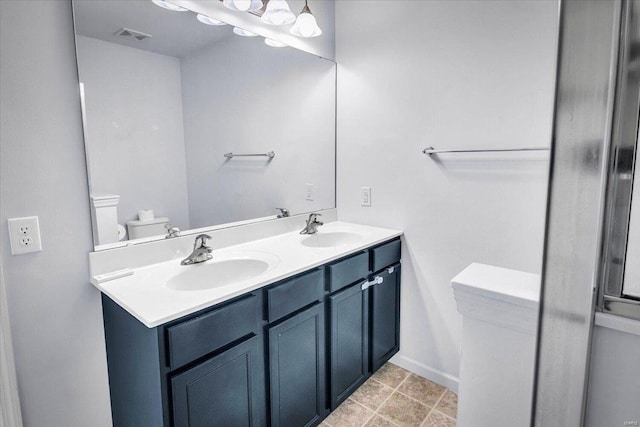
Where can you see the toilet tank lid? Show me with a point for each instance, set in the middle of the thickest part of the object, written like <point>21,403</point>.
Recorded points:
<point>158,220</point>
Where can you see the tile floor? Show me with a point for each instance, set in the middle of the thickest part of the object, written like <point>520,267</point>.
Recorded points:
<point>395,397</point>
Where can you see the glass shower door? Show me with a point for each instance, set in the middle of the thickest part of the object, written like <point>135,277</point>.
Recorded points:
<point>620,290</point>
<point>631,282</point>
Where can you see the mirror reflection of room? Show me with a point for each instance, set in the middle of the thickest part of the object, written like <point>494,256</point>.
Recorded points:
<point>167,96</point>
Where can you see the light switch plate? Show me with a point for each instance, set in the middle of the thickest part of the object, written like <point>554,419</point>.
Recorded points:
<point>24,235</point>
<point>365,196</point>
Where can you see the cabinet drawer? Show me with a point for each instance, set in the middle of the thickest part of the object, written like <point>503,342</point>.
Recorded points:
<point>348,270</point>
<point>196,337</point>
<point>385,255</point>
<point>293,294</point>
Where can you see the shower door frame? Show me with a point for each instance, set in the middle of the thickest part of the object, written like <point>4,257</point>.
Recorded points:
<point>591,151</point>
<point>582,125</point>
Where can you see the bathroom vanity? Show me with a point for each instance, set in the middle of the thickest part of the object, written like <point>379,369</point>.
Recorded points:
<point>283,348</point>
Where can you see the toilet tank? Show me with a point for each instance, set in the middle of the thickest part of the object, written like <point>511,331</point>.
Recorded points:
<point>154,227</point>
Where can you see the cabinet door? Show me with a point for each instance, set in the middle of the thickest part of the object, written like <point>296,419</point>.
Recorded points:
<point>348,342</point>
<point>385,316</point>
<point>224,391</point>
<point>297,369</point>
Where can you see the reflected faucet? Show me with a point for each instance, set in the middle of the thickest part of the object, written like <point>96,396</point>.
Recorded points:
<point>172,231</point>
<point>312,224</point>
<point>201,252</point>
<point>284,212</point>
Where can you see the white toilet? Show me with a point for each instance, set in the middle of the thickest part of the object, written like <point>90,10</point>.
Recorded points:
<point>154,227</point>
<point>499,310</point>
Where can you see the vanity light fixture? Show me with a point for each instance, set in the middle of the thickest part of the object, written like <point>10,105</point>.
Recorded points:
<point>209,21</point>
<point>242,32</point>
<point>243,5</point>
<point>169,6</point>
<point>306,25</point>
<point>278,13</point>
<point>274,43</point>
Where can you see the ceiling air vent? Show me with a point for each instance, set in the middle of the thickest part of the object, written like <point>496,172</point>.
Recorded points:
<point>127,33</point>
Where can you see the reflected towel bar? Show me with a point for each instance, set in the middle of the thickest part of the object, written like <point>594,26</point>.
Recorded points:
<point>270,155</point>
<point>430,150</point>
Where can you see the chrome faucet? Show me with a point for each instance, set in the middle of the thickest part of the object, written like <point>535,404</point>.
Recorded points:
<point>284,212</point>
<point>171,231</point>
<point>201,252</point>
<point>312,224</point>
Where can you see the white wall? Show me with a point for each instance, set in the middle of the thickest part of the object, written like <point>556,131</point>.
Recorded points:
<point>242,96</point>
<point>56,316</point>
<point>135,135</point>
<point>450,74</point>
<point>614,378</point>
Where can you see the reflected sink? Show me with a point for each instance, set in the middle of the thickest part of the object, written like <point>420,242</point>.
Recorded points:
<point>219,273</point>
<point>330,240</point>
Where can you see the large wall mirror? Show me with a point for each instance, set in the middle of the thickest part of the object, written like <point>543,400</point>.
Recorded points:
<point>165,97</point>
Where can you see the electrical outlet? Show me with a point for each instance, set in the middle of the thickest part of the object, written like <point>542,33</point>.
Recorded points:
<point>24,235</point>
<point>310,189</point>
<point>365,196</point>
<point>26,241</point>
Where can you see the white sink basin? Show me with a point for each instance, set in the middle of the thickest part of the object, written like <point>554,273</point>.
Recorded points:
<point>218,273</point>
<point>331,240</point>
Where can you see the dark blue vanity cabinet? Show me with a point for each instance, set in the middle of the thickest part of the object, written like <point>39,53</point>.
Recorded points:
<point>283,355</point>
<point>364,317</point>
<point>203,370</point>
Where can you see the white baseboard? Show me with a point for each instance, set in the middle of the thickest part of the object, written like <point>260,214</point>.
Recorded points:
<point>435,375</point>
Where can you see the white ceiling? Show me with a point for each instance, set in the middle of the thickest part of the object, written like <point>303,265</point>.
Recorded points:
<point>174,33</point>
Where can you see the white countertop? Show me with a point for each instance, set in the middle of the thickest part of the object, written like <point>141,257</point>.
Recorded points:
<point>144,295</point>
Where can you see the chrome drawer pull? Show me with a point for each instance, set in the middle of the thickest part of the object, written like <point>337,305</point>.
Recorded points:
<point>376,281</point>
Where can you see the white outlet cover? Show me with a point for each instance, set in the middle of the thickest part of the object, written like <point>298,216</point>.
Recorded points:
<point>365,196</point>
<point>24,235</point>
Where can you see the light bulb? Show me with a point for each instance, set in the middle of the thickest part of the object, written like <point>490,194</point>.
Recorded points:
<point>243,5</point>
<point>306,25</point>
<point>278,13</point>
<point>274,43</point>
<point>242,32</point>
<point>169,6</point>
<point>208,21</point>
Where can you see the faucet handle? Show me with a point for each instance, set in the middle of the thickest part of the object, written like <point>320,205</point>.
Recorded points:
<point>313,216</point>
<point>202,238</point>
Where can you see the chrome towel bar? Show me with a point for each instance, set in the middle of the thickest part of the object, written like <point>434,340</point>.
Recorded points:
<point>430,150</point>
<point>270,155</point>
